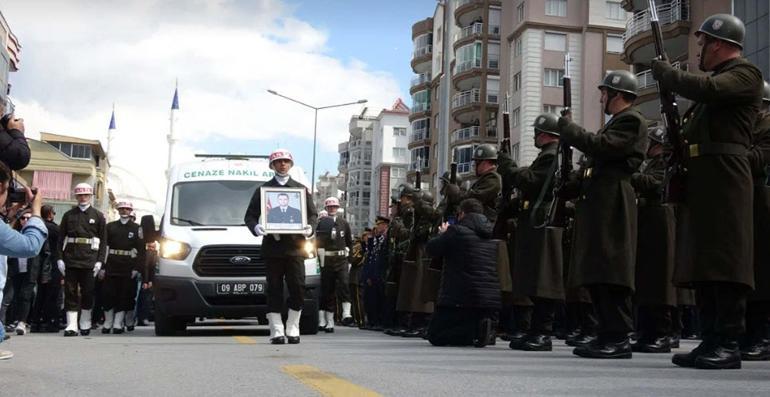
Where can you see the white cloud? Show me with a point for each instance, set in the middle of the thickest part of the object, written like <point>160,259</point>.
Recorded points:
<point>80,56</point>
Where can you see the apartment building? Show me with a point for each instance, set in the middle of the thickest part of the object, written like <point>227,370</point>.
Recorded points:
<point>9,55</point>
<point>359,172</point>
<point>756,15</point>
<point>679,20</point>
<point>390,157</point>
<point>326,186</point>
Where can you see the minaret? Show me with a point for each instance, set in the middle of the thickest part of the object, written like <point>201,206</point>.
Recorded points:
<point>111,131</point>
<point>172,119</point>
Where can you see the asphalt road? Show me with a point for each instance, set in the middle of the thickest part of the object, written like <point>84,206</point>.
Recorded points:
<point>231,359</point>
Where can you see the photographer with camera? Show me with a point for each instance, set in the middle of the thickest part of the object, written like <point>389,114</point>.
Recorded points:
<point>25,243</point>
<point>14,150</point>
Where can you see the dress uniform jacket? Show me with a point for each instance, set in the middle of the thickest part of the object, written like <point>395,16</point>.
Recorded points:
<point>82,224</point>
<point>719,186</point>
<point>333,234</point>
<point>537,270</point>
<point>486,189</point>
<point>121,240</point>
<point>656,240</point>
<point>604,240</point>
<point>759,158</point>
<point>287,244</point>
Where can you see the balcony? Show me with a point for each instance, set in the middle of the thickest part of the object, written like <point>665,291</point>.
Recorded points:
<point>638,43</point>
<point>419,110</point>
<point>646,81</point>
<point>419,135</point>
<point>468,11</point>
<point>467,74</point>
<point>467,104</point>
<point>420,82</point>
<point>475,31</point>
<point>464,134</point>
<point>422,58</point>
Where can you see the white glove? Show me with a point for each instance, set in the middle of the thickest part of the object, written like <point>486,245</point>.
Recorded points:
<point>97,267</point>
<point>307,231</point>
<point>347,251</point>
<point>134,273</point>
<point>60,265</point>
<point>259,230</point>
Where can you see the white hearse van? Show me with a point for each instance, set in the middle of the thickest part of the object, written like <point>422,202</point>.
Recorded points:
<point>209,263</point>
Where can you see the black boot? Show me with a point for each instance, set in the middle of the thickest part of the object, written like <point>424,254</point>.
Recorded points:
<point>756,350</point>
<point>70,333</point>
<point>605,350</point>
<point>536,343</point>
<point>483,330</point>
<point>674,341</point>
<point>516,338</point>
<point>652,345</point>
<point>293,340</point>
<point>581,340</point>
<point>687,360</point>
<point>725,355</point>
<point>278,340</point>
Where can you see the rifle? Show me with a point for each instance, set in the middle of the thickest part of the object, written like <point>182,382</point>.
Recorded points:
<point>673,181</point>
<point>505,144</point>
<point>557,215</point>
<point>453,173</point>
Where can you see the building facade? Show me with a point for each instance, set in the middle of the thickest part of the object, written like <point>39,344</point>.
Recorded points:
<point>756,15</point>
<point>326,186</point>
<point>9,56</point>
<point>390,157</point>
<point>358,178</point>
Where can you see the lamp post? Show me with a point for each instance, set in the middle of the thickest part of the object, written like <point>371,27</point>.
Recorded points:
<point>315,124</point>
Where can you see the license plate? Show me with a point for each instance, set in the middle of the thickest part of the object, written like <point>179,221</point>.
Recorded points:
<point>240,288</point>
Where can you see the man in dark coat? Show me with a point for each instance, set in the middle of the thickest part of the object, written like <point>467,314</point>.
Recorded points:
<point>537,270</point>
<point>14,150</point>
<point>487,187</point>
<point>49,287</point>
<point>655,296</point>
<point>333,242</point>
<point>470,288</point>
<point>372,275</point>
<point>755,345</point>
<point>82,239</point>
<point>284,254</point>
<point>125,261</point>
<point>604,246</point>
<point>718,188</point>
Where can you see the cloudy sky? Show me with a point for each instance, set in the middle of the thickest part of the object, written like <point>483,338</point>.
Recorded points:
<point>81,56</point>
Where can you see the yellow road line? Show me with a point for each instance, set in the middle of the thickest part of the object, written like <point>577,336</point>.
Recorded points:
<point>245,340</point>
<point>325,383</point>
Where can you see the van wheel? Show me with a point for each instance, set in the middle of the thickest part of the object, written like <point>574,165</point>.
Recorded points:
<point>308,322</point>
<point>168,326</point>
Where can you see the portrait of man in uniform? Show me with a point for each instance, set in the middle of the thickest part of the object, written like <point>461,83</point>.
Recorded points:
<point>282,209</point>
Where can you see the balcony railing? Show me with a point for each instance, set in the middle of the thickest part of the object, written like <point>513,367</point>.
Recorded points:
<point>468,31</point>
<point>463,134</point>
<point>677,10</point>
<point>420,107</point>
<point>424,50</point>
<point>646,80</point>
<point>421,79</point>
<point>493,63</point>
<point>419,135</point>
<point>465,98</point>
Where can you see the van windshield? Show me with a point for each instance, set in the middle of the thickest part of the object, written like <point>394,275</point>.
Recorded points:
<point>211,203</point>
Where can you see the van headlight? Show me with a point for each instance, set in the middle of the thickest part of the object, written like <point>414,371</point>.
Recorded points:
<point>172,249</point>
<point>310,248</point>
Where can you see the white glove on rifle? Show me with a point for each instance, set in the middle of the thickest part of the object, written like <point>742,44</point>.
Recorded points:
<point>97,267</point>
<point>134,273</point>
<point>259,230</point>
<point>60,265</point>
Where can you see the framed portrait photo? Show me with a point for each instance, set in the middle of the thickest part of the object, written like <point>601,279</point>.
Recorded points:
<point>284,210</point>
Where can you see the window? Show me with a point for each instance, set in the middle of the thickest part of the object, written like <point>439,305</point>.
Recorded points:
<point>517,47</point>
<point>74,150</point>
<point>399,153</point>
<point>493,56</point>
<point>398,173</point>
<point>399,131</point>
<point>515,117</point>
<point>517,82</point>
<point>556,8</point>
<point>614,44</point>
<point>553,77</point>
<point>368,158</point>
<point>520,12</point>
<point>420,157</point>
<point>367,178</point>
<point>463,156</point>
<point>555,109</point>
<point>515,153</point>
<point>555,42</point>
<point>615,11</point>
<point>420,129</point>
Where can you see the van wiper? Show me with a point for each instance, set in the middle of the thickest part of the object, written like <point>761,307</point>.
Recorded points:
<point>191,222</point>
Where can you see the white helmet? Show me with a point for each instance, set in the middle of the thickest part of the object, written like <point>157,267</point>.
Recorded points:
<point>332,202</point>
<point>83,188</point>
<point>323,214</point>
<point>280,154</point>
<point>125,204</point>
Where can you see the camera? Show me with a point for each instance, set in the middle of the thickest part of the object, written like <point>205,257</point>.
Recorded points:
<point>17,193</point>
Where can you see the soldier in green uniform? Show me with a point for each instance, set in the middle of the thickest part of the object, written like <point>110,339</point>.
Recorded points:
<point>537,271</point>
<point>755,345</point>
<point>604,246</point>
<point>655,295</point>
<point>486,188</point>
<point>718,189</point>
<point>125,261</point>
<point>82,236</point>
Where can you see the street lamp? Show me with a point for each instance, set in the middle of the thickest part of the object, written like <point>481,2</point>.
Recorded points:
<point>315,125</point>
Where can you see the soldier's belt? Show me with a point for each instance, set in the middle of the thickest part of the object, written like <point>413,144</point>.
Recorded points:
<point>704,149</point>
<point>79,240</point>
<point>121,252</point>
<point>335,253</point>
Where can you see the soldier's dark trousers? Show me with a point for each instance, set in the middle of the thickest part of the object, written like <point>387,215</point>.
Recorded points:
<point>119,293</point>
<point>522,318</point>
<point>357,303</point>
<point>334,283</point>
<point>374,302</point>
<point>722,310</point>
<point>144,305</point>
<point>654,321</point>
<point>542,316</point>
<point>292,269</point>
<point>758,320</point>
<point>78,289</point>
<point>454,326</point>
<point>613,309</point>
